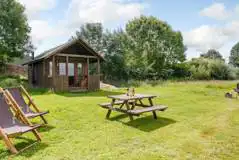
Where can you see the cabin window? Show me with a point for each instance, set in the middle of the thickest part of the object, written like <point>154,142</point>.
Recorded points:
<point>62,69</point>
<point>50,69</point>
<point>71,69</point>
<point>79,67</point>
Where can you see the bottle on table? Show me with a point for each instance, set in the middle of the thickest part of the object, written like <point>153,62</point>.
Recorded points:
<point>127,92</point>
<point>133,92</point>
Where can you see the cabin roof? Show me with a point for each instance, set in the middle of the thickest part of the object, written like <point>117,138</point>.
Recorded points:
<point>59,48</point>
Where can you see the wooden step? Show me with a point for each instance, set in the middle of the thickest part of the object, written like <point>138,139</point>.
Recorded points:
<point>76,90</point>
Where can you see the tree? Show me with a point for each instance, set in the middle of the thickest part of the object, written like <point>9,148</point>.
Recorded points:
<point>114,67</point>
<point>146,49</point>
<point>111,44</point>
<point>153,45</point>
<point>212,54</point>
<point>234,56</point>
<point>92,33</point>
<point>14,31</point>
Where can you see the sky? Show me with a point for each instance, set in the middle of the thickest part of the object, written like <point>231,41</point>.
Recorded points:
<point>205,24</point>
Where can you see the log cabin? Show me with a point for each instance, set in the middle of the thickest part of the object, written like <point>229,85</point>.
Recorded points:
<point>73,66</point>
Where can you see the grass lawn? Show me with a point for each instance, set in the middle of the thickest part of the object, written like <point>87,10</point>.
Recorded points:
<point>199,124</point>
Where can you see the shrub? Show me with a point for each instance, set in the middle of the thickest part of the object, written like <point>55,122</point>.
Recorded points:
<point>206,69</point>
<point>200,72</point>
<point>234,72</point>
<point>219,70</point>
<point>11,81</point>
<point>134,83</point>
<point>181,70</point>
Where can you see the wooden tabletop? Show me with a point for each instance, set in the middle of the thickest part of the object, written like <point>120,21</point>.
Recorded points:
<point>124,97</point>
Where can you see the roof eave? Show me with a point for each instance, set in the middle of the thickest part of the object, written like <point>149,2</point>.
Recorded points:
<point>82,42</point>
<point>90,49</point>
<point>32,61</point>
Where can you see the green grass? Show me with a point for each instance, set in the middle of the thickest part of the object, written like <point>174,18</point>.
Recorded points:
<point>199,124</point>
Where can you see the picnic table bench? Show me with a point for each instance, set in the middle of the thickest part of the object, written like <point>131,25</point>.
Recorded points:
<point>130,102</point>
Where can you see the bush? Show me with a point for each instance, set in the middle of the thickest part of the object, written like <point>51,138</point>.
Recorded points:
<point>219,70</point>
<point>134,83</point>
<point>11,81</point>
<point>196,69</point>
<point>181,70</point>
<point>200,73</point>
<point>207,69</point>
<point>234,74</point>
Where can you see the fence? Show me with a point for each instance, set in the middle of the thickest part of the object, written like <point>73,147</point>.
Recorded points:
<point>14,70</point>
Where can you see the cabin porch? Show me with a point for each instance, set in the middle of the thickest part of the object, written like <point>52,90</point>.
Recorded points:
<point>75,72</point>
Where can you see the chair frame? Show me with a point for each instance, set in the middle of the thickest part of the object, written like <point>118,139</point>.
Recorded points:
<point>30,102</point>
<point>22,118</point>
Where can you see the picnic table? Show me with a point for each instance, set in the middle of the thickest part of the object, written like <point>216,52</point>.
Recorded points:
<point>127,105</point>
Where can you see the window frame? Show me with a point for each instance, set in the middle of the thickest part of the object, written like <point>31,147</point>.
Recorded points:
<point>50,69</point>
<point>63,68</point>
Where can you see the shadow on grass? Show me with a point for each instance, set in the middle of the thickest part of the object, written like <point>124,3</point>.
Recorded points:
<point>46,128</point>
<point>28,152</point>
<point>39,91</point>
<point>146,124</point>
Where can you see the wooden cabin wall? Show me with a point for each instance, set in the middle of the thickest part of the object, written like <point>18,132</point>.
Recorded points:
<point>94,82</point>
<point>36,78</point>
<point>77,49</point>
<point>61,81</point>
<point>40,74</point>
<point>76,60</point>
<point>94,78</point>
<point>30,75</point>
<point>47,78</point>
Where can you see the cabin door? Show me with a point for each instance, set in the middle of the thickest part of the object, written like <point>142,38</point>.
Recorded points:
<point>75,75</point>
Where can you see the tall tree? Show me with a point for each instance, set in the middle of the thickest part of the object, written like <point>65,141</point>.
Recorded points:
<point>92,33</point>
<point>212,54</point>
<point>234,56</point>
<point>115,46</point>
<point>14,31</point>
<point>154,45</point>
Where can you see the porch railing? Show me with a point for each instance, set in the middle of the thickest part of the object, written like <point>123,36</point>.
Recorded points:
<point>94,82</point>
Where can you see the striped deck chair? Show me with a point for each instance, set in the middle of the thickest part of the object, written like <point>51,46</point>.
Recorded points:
<point>16,95</point>
<point>11,127</point>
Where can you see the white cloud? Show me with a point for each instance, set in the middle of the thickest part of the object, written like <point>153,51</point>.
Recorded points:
<point>205,37</point>
<point>42,30</point>
<point>231,29</point>
<point>237,9</point>
<point>78,12</point>
<point>217,36</point>
<point>34,7</point>
<point>216,11</point>
<point>103,11</point>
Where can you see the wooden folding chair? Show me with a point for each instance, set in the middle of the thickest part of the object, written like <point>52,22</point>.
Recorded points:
<point>11,126</point>
<point>16,95</point>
